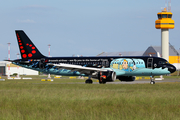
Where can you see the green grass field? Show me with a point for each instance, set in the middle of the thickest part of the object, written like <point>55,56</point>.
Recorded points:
<point>62,100</point>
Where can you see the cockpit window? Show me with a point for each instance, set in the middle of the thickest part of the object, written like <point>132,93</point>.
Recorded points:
<point>163,62</point>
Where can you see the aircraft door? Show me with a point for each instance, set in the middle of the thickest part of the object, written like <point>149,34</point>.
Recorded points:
<point>41,63</point>
<point>105,63</point>
<point>150,63</point>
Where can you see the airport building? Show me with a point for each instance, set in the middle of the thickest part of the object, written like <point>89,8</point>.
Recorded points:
<point>174,57</point>
<point>156,51</point>
<point>7,68</point>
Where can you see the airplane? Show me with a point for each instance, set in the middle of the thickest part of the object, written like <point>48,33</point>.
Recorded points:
<point>105,69</point>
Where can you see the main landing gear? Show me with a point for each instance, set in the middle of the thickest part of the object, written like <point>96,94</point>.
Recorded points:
<point>89,81</point>
<point>152,80</point>
<point>102,81</point>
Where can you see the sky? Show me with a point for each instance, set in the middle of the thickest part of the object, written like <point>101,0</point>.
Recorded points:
<point>84,27</point>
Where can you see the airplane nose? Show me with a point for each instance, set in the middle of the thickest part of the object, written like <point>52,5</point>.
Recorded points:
<point>172,68</point>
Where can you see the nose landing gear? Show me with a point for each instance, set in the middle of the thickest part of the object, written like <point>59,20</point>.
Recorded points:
<point>152,80</point>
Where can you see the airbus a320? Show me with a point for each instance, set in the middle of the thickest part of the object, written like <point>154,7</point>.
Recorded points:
<point>105,69</point>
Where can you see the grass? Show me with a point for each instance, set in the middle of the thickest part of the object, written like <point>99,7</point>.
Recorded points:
<point>59,100</point>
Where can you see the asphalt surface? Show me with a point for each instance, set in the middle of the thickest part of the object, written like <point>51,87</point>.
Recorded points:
<point>145,81</point>
<point>142,81</point>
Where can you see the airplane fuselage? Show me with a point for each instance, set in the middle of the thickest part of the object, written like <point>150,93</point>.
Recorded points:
<point>114,62</point>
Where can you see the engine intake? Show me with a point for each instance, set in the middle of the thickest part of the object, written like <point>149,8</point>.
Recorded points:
<point>108,76</point>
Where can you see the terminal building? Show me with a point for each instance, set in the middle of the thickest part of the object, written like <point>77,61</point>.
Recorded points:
<point>7,68</point>
<point>174,57</point>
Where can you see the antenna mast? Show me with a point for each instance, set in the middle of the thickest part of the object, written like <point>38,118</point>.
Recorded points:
<point>169,6</point>
<point>166,6</point>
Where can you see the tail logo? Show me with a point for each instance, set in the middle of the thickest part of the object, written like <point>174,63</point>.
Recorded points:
<point>28,53</point>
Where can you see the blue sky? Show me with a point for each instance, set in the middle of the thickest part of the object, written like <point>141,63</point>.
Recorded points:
<point>84,27</point>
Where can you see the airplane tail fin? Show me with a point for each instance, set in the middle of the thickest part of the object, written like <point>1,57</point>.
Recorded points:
<point>27,49</point>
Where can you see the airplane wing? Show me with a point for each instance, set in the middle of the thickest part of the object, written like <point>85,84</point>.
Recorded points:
<point>79,68</point>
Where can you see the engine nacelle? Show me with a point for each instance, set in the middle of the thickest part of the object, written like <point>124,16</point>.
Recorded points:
<point>108,76</point>
<point>127,78</point>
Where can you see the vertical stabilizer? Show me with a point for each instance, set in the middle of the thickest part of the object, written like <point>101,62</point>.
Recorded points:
<point>27,49</point>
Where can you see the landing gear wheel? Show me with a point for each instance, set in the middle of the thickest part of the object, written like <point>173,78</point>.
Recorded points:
<point>88,81</point>
<point>152,82</point>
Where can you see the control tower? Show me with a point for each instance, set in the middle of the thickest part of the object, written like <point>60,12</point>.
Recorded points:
<point>164,23</point>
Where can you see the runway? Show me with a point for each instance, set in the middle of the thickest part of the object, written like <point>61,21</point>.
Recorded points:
<point>120,82</point>
<point>145,81</point>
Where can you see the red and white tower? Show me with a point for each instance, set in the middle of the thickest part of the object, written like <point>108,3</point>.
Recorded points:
<point>18,66</point>
<point>49,49</point>
<point>49,76</point>
<point>9,60</point>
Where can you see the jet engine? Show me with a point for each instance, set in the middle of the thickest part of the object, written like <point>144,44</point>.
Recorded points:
<point>108,76</point>
<point>127,78</point>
